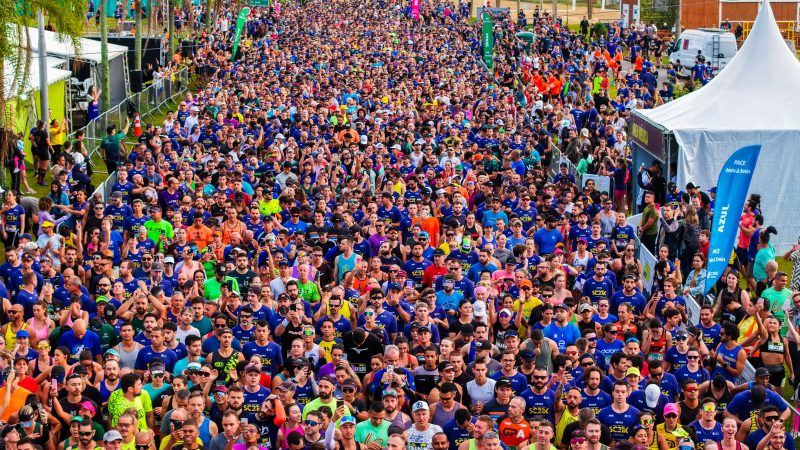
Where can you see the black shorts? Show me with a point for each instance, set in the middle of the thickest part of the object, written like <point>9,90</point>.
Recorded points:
<point>43,154</point>
<point>741,256</point>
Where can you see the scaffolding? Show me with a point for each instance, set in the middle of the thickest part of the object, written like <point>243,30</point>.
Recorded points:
<point>788,29</point>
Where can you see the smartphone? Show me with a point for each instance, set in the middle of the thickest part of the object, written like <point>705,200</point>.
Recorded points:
<point>658,206</point>
<point>390,368</point>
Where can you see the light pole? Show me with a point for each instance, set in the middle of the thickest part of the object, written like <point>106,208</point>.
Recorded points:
<point>43,100</point>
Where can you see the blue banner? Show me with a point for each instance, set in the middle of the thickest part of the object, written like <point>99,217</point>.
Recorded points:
<point>732,187</point>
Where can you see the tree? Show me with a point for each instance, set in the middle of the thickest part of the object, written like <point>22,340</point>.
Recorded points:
<point>105,84</point>
<point>67,18</point>
<point>137,45</point>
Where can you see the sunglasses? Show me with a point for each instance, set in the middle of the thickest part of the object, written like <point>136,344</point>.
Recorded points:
<point>772,418</point>
<point>86,433</point>
<point>671,416</point>
<point>142,446</point>
<point>540,377</point>
<point>311,423</point>
<point>709,408</point>
<point>646,422</point>
<point>577,441</point>
<point>691,358</point>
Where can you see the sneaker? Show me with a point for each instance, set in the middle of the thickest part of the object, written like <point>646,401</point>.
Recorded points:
<point>16,170</point>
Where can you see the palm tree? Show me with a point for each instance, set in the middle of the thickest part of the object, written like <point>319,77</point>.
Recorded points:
<point>67,18</point>
<point>137,45</point>
<point>105,83</point>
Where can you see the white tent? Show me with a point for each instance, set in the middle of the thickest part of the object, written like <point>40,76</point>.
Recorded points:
<point>88,52</point>
<point>54,75</point>
<point>751,101</point>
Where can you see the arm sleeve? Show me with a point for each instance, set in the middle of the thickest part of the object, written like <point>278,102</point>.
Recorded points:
<point>329,433</point>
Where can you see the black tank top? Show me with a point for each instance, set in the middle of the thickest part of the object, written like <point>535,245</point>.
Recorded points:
<point>722,402</point>
<point>772,347</point>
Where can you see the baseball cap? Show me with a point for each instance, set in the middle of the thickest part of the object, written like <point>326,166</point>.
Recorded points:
<point>23,334</point>
<point>670,408</point>
<point>25,413</point>
<point>419,406</point>
<point>479,308</point>
<point>390,392</point>
<point>347,419</point>
<point>633,371</point>
<point>762,372</point>
<point>222,389</point>
<point>502,382</point>
<point>585,307</point>
<point>112,436</point>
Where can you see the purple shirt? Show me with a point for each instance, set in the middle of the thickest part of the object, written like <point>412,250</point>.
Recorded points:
<point>375,241</point>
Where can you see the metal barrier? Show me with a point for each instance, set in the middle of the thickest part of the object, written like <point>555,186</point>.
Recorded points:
<point>151,99</point>
<point>692,306</point>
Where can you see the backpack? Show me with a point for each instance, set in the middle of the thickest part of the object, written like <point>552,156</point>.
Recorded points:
<point>691,236</point>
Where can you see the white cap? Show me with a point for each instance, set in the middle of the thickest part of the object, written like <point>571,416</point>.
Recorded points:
<point>420,405</point>
<point>364,139</point>
<point>479,308</point>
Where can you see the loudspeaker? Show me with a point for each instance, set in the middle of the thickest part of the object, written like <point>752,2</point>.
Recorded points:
<point>187,48</point>
<point>136,81</point>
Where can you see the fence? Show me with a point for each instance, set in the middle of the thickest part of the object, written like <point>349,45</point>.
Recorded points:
<point>151,99</point>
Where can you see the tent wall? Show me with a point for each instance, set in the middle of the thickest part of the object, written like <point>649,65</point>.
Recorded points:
<point>25,110</point>
<point>703,153</point>
<point>118,78</point>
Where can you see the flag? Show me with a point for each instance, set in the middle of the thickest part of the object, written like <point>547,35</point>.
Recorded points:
<point>240,22</point>
<point>487,38</point>
<point>734,181</point>
<point>415,9</point>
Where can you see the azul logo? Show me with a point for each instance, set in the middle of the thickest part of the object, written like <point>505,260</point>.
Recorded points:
<point>722,217</point>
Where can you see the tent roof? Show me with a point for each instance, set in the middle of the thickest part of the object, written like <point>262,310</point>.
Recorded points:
<point>62,47</point>
<point>757,90</point>
<point>54,75</point>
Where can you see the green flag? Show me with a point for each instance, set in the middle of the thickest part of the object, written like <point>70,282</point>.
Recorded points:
<point>240,22</point>
<point>487,38</point>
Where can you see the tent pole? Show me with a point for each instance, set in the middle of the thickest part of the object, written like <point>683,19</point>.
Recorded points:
<point>667,156</point>
<point>43,100</point>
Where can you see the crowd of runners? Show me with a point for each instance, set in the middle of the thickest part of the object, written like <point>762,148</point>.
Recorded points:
<point>351,238</point>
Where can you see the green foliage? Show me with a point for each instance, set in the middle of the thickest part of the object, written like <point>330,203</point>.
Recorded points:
<point>599,29</point>
<point>659,12</point>
<point>67,17</point>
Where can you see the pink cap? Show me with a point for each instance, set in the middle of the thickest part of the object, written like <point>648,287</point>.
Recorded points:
<point>481,289</point>
<point>671,408</point>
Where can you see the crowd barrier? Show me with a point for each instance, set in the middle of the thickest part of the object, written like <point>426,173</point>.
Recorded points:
<point>692,305</point>
<point>151,99</point>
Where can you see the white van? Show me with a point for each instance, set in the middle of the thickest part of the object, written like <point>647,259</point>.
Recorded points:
<point>715,44</point>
